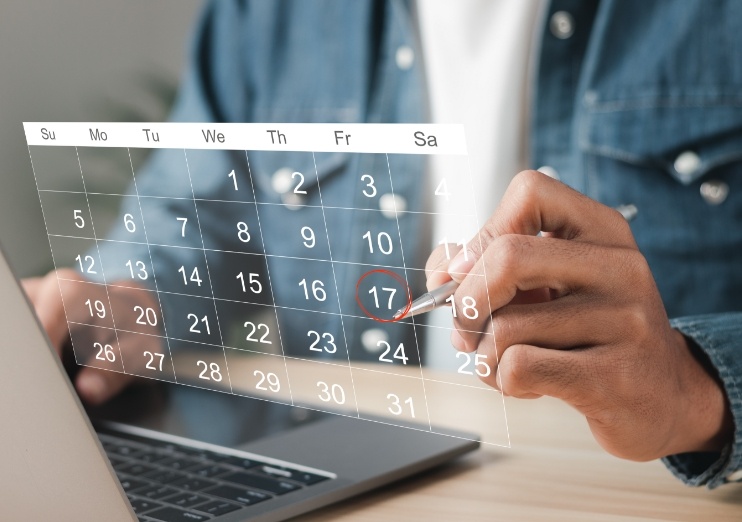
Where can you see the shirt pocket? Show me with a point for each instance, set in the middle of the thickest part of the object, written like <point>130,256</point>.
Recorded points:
<point>686,138</point>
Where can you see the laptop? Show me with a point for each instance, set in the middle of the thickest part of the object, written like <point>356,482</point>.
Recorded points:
<point>146,455</point>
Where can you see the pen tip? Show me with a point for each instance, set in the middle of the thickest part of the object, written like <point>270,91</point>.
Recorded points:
<point>398,315</point>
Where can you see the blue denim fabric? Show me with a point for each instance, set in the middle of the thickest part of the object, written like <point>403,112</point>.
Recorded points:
<point>638,83</point>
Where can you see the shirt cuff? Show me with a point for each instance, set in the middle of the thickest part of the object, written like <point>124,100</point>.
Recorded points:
<point>719,337</point>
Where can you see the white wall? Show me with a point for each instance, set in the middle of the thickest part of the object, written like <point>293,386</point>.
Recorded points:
<point>76,60</point>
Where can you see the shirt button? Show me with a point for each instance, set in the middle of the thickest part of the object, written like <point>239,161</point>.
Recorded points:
<point>562,25</point>
<point>714,192</point>
<point>735,476</point>
<point>390,204</point>
<point>281,180</point>
<point>687,163</point>
<point>371,339</point>
<point>549,171</point>
<point>404,57</point>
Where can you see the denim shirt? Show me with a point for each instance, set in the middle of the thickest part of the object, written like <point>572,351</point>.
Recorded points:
<point>640,104</point>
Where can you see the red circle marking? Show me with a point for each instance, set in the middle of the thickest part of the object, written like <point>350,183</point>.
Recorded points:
<point>400,280</point>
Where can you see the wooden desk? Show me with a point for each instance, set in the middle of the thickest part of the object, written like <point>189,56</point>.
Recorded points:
<point>554,472</point>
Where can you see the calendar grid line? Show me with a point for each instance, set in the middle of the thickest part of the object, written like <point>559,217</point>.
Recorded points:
<point>258,254</point>
<point>208,272</point>
<point>489,305</point>
<point>414,330</point>
<point>51,250</point>
<point>266,203</point>
<point>95,237</point>
<point>280,307</point>
<point>337,292</point>
<point>288,262</point>
<point>268,273</point>
<point>152,265</point>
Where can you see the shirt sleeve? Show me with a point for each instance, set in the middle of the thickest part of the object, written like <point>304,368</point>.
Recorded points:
<point>719,336</point>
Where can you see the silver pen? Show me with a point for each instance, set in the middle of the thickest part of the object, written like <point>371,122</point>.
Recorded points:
<point>437,297</point>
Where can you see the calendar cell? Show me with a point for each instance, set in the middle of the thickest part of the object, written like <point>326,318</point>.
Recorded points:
<point>139,312</point>
<point>173,183</point>
<point>363,185</point>
<point>322,386</point>
<point>80,254</point>
<point>56,168</point>
<point>303,233</point>
<point>131,269</point>
<point>172,223</point>
<point>392,346</point>
<point>259,376</point>
<point>455,232</point>
<point>221,174</point>
<point>191,319</point>
<point>97,347</point>
<point>401,400</point>
<point>242,277</point>
<point>127,227</point>
<point>66,214</point>
<point>249,327</point>
<point>146,356</point>
<point>176,271</point>
<point>238,229</point>
<point>200,365</point>
<point>376,242</point>
<point>377,293</point>
<point>86,303</point>
<point>311,284</point>
<point>320,335</point>
<point>446,413</point>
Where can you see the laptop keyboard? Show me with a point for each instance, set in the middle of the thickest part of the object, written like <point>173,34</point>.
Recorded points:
<point>172,483</point>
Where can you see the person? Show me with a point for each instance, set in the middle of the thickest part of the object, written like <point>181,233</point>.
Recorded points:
<point>630,102</point>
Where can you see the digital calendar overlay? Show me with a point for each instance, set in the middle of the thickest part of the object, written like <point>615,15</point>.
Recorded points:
<point>268,261</point>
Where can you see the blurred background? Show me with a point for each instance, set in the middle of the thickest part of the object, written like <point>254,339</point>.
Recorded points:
<point>78,60</point>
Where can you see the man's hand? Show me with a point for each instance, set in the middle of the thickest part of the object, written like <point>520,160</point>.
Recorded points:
<point>88,305</point>
<point>576,315</point>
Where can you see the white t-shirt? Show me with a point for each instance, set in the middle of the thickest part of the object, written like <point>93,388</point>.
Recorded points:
<point>477,60</point>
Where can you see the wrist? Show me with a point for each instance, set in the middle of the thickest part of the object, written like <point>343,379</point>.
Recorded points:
<point>704,419</point>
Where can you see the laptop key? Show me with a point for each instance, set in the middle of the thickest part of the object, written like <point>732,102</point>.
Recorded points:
<point>186,500</point>
<point>278,487</point>
<point>171,514</point>
<point>155,492</point>
<point>194,484</point>
<point>135,468</point>
<point>244,496</point>
<point>130,484</point>
<point>177,463</point>
<point>217,508</point>
<point>208,470</point>
<point>165,476</point>
<point>152,457</point>
<point>242,462</point>
<point>142,506</point>
<point>298,476</point>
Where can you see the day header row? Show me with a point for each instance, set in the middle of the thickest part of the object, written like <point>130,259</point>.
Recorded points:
<point>395,138</point>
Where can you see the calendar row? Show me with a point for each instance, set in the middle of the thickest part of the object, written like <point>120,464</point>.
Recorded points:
<point>371,182</point>
<point>160,318</point>
<point>404,398</point>
<point>374,292</point>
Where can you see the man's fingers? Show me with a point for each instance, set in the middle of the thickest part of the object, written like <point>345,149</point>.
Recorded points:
<point>97,386</point>
<point>566,323</point>
<point>527,371</point>
<point>521,263</point>
<point>436,269</point>
<point>536,203</point>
